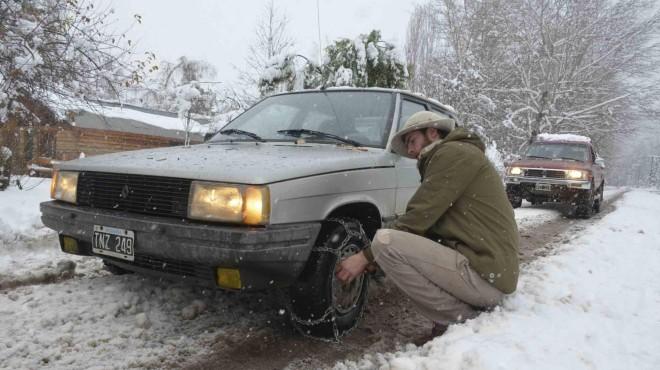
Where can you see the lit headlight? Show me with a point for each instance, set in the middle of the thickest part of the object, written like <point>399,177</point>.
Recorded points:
<point>576,174</point>
<point>63,186</point>
<point>211,201</point>
<point>515,171</point>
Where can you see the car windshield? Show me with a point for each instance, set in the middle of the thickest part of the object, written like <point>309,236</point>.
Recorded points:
<point>358,116</point>
<point>576,152</point>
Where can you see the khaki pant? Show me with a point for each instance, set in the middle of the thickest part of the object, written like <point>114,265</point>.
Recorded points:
<point>437,279</point>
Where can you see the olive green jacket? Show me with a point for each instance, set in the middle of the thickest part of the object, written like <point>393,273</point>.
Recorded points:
<point>462,203</point>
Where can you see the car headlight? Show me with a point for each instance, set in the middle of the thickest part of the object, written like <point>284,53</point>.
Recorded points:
<point>515,171</point>
<point>576,174</point>
<point>211,201</point>
<point>64,185</point>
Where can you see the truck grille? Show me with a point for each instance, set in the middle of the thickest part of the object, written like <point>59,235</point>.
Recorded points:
<point>552,174</point>
<point>150,195</point>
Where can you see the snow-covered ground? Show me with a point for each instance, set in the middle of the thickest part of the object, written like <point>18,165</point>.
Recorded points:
<point>587,306</point>
<point>592,305</point>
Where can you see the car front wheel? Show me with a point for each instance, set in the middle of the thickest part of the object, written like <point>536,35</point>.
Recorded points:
<point>585,204</point>
<point>598,202</point>
<point>321,306</point>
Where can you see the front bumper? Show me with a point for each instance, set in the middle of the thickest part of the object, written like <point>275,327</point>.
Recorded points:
<point>555,189</point>
<point>266,256</point>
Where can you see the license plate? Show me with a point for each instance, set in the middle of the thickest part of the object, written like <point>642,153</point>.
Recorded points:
<point>114,242</point>
<point>542,187</point>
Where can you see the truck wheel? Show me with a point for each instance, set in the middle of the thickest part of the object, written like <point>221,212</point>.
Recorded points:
<point>321,306</point>
<point>114,269</point>
<point>585,204</point>
<point>516,201</point>
<point>598,202</point>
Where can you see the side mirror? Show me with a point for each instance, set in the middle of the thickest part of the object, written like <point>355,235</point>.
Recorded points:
<point>600,162</point>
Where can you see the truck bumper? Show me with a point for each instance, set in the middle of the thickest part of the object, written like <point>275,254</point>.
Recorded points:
<point>550,189</point>
<point>272,256</point>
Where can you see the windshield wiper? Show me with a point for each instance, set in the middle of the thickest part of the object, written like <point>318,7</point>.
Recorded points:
<point>570,159</point>
<point>235,131</point>
<point>536,156</point>
<point>302,131</point>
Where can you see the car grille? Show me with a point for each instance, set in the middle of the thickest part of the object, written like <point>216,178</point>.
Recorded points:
<point>173,267</point>
<point>169,266</point>
<point>150,195</point>
<point>553,174</point>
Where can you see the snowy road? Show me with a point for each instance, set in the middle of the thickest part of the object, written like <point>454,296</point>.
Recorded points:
<point>95,319</point>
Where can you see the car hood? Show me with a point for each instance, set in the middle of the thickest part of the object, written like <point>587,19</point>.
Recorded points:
<point>550,164</point>
<point>243,162</point>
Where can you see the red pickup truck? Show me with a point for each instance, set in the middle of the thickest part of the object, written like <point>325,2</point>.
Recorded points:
<point>558,168</point>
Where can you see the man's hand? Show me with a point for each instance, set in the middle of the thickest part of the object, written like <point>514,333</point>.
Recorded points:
<point>351,267</point>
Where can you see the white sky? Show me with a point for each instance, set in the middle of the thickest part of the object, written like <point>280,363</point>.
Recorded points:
<point>220,32</point>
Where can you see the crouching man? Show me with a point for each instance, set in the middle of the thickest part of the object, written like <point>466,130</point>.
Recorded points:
<point>455,250</point>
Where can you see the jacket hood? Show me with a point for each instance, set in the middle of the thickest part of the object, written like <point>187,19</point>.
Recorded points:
<point>462,134</point>
<point>458,134</point>
<point>239,162</point>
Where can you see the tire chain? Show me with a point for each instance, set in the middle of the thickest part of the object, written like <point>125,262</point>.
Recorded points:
<point>329,314</point>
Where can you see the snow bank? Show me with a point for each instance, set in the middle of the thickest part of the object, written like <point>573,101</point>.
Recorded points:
<point>20,217</point>
<point>29,251</point>
<point>593,305</point>
<point>562,137</point>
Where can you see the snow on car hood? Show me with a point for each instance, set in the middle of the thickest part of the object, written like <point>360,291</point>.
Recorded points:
<point>243,163</point>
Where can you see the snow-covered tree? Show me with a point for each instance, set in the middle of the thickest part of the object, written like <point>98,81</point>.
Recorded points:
<point>519,67</point>
<point>162,89</point>
<point>55,50</point>
<point>287,72</point>
<point>421,45</point>
<point>272,44</point>
<point>186,97</point>
<point>367,61</point>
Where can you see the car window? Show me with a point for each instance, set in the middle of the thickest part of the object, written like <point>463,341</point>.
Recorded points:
<point>362,116</point>
<point>408,108</point>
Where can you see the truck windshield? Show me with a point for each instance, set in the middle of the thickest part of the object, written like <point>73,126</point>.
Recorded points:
<point>575,152</point>
<point>359,116</point>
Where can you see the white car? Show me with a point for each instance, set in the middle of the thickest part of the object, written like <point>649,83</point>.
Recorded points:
<point>273,200</point>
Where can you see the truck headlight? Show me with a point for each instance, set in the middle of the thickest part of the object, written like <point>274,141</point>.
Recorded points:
<point>211,201</point>
<point>576,174</point>
<point>515,171</point>
<point>64,185</point>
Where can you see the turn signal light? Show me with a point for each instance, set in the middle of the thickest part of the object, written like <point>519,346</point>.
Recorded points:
<point>228,278</point>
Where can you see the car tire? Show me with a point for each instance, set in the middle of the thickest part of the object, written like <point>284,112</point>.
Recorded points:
<point>516,202</point>
<point>114,269</point>
<point>321,306</point>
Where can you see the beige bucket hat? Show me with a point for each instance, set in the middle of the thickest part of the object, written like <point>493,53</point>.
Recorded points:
<point>418,121</point>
